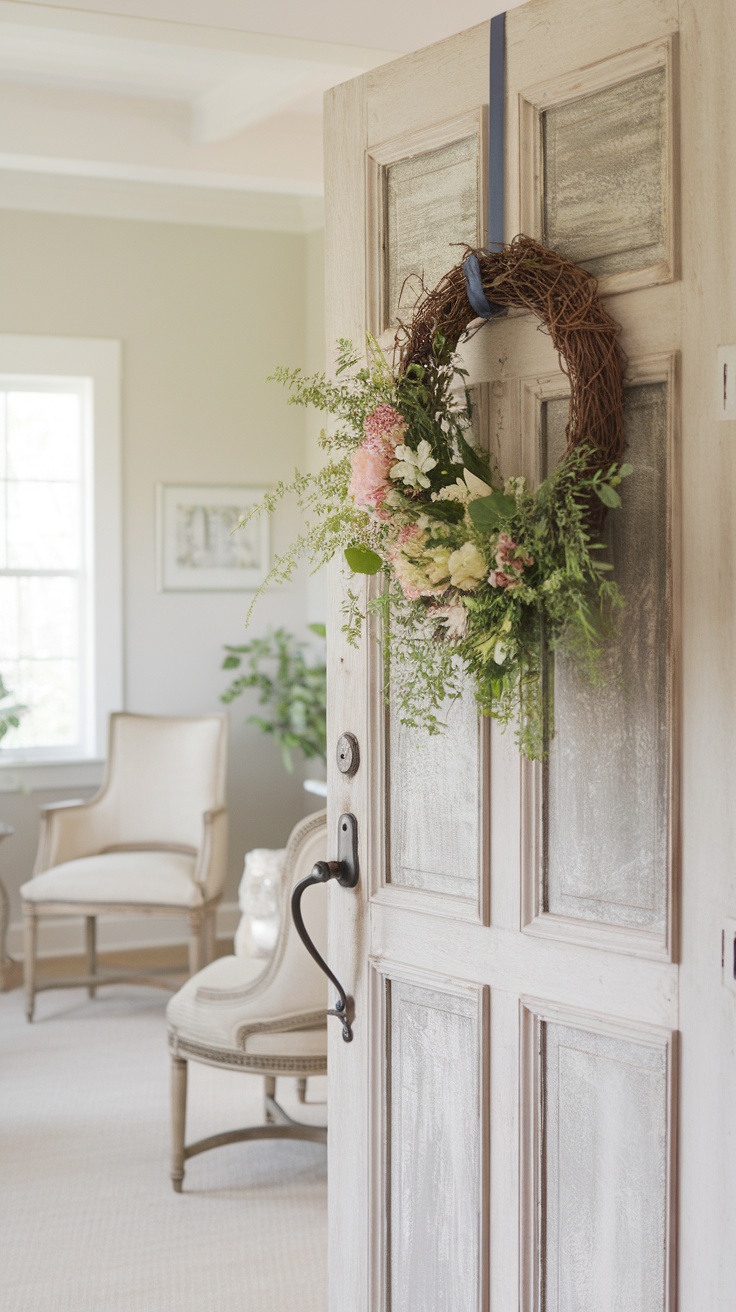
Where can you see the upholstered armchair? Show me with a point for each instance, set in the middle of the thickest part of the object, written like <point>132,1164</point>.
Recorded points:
<point>267,1020</point>
<point>153,841</point>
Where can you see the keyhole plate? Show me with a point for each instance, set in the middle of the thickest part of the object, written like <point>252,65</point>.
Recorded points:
<point>348,754</point>
<point>347,850</point>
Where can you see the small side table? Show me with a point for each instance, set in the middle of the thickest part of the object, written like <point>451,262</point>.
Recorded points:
<point>7,965</point>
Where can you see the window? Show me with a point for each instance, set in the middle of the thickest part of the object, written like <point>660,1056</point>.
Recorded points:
<point>60,629</point>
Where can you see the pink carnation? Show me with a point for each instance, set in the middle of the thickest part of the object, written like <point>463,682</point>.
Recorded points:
<point>511,562</point>
<point>371,462</point>
<point>385,424</point>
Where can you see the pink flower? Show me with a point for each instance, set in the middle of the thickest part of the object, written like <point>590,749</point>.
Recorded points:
<point>511,562</point>
<point>406,534</point>
<point>385,424</point>
<point>498,579</point>
<point>369,481</point>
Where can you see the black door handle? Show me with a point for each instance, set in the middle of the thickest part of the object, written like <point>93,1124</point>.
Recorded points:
<point>345,871</point>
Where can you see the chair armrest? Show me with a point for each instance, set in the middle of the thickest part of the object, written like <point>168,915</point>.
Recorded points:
<point>211,867</point>
<point>288,1023</point>
<point>65,833</point>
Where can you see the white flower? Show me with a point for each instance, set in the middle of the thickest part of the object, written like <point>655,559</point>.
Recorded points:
<point>476,487</point>
<point>467,567</point>
<point>499,652</point>
<point>456,491</point>
<point>412,467</point>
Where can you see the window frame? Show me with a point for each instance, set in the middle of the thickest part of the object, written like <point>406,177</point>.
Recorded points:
<point>97,361</point>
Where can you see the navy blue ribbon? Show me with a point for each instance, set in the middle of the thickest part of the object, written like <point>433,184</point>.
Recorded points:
<point>496,122</point>
<point>474,290</point>
<point>477,298</point>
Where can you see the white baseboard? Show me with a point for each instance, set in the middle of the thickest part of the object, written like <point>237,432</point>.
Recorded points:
<point>64,938</point>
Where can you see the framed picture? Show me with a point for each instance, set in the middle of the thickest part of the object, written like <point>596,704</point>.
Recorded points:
<point>201,548</point>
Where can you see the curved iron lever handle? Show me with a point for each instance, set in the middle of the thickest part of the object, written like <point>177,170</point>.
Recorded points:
<point>345,871</point>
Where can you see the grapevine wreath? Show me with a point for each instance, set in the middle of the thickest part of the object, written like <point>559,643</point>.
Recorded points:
<point>482,577</point>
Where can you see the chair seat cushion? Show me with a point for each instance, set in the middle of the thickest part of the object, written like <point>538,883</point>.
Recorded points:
<point>220,1008</point>
<point>149,878</point>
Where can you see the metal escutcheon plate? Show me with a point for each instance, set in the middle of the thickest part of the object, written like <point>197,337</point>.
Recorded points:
<point>348,754</point>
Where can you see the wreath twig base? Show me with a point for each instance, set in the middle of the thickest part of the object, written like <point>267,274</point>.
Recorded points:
<point>525,275</point>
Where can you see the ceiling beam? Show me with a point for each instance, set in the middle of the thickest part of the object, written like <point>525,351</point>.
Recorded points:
<point>359,58</point>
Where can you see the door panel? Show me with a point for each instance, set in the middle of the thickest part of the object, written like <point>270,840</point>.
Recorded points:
<point>597,165</point>
<point>426,190</point>
<point>588,146</point>
<point>436,822</point>
<point>436,1182</point>
<point>431,199</point>
<point>605,792</point>
<point>599,1154</point>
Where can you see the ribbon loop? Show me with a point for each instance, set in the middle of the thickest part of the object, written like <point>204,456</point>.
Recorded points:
<point>474,290</point>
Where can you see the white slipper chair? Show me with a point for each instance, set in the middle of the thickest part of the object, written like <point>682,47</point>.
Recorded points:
<point>269,1021</point>
<point>153,841</point>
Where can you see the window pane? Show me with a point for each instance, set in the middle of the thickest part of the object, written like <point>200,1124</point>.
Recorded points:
<point>44,435</point>
<point>43,525</point>
<point>49,617</point>
<point>43,593</point>
<point>50,690</point>
<point>9,648</point>
<point>3,402</point>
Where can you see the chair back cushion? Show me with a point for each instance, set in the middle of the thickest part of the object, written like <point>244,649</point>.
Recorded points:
<point>162,775</point>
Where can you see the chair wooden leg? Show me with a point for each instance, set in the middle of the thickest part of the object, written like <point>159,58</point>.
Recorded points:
<point>195,942</point>
<point>30,935</point>
<point>90,936</point>
<point>178,1120</point>
<point>269,1092</point>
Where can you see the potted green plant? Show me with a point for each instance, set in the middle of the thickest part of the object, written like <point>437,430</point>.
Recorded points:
<point>292,691</point>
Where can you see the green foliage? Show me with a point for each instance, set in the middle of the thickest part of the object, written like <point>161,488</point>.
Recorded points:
<point>291,688</point>
<point>362,560</point>
<point>9,715</point>
<point>491,513</point>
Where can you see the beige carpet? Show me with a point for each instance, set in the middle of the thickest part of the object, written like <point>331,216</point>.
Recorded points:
<point>88,1219</point>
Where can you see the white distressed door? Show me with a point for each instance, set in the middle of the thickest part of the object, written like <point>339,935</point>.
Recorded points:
<point>502,1127</point>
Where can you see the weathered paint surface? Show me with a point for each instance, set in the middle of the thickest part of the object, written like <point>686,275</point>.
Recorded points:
<point>605,174</point>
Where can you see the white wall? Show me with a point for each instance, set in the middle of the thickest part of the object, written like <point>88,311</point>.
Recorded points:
<point>204,315</point>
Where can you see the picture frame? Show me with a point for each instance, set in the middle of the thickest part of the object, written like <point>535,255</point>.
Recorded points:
<point>198,549</point>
